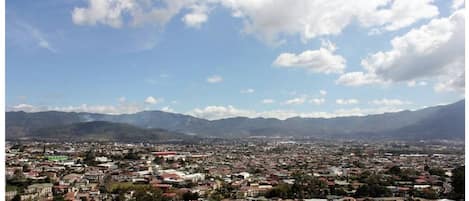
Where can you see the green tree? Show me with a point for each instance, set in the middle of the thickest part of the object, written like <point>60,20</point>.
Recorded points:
<point>148,194</point>
<point>90,158</point>
<point>372,190</point>
<point>58,198</point>
<point>457,181</point>
<point>158,160</point>
<point>16,198</point>
<point>437,171</point>
<point>279,191</point>
<point>395,170</point>
<point>187,196</point>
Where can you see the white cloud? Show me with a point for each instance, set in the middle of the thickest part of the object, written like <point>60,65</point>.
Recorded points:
<point>358,79</point>
<point>268,101</point>
<point>401,13</point>
<point>317,101</point>
<point>269,19</point>
<point>346,101</point>
<point>209,112</point>
<point>214,79</point>
<point>123,108</point>
<point>432,51</point>
<point>323,92</point>
<point>323,60</point>
<point>221,112</point>
<point>114,12</point>
<point>197,17</point>
<point>295,101</point>
<point>104,12</point>
<point>265,19</point>
<point>247,91</point>
<point>167,109</point>
<point>390,102</point>
<point>24,107</point>
<point>457,4</point>
<point>151,100</point>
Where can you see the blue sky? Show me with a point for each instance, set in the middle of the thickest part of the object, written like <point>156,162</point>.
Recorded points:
<point>224,58</point>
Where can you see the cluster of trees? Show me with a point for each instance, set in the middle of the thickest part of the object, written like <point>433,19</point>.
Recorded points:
<point>403,174</point>
<point>143,192</point>
<point>305,186</point>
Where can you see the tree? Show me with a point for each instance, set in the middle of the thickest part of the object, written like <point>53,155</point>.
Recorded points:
<point>395,170</point>
<point>372,190</point>
<point>16,198</point>
<point>131,156</point>
<point>457,181</point>
<point>90,158</point>
<point>148,194</point>
<point>279,191</point>
<point>58,198</point>
<point>187,196</point>
<point>158,160</point>
<point>437,171</point>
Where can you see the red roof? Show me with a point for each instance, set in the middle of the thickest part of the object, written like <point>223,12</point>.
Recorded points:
<point>169,175</point>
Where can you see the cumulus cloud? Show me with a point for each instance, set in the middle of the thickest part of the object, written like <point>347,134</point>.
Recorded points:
<point>114,12</point>
<point>24,107</point>
<point>358,79</point>
<point>265,19</point>
<point>390,102</point>
<point>247,91</point>
<point>151,100</point>
<point>221,112</point>
<point>268,101</point>
<point>268,19</point>
<point>432,51</point>
<point>214,79</point>
<point>346,101</point>
<point>104,12</point>
<point>323,92</point>
<point>123,108</point>
<point>323,60</point>
<point>208,112</point>
<point>167,109</point>
<point>197,17</point>
<point>295,101</point>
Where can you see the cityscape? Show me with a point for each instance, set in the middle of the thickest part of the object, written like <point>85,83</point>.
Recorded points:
<point>88,156</point>
<point>233,100</point>
<point>237,169</point>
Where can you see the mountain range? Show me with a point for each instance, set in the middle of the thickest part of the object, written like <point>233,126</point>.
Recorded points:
<point>438,122</point>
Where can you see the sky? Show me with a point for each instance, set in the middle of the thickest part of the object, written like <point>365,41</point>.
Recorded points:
<point>216,59</point>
